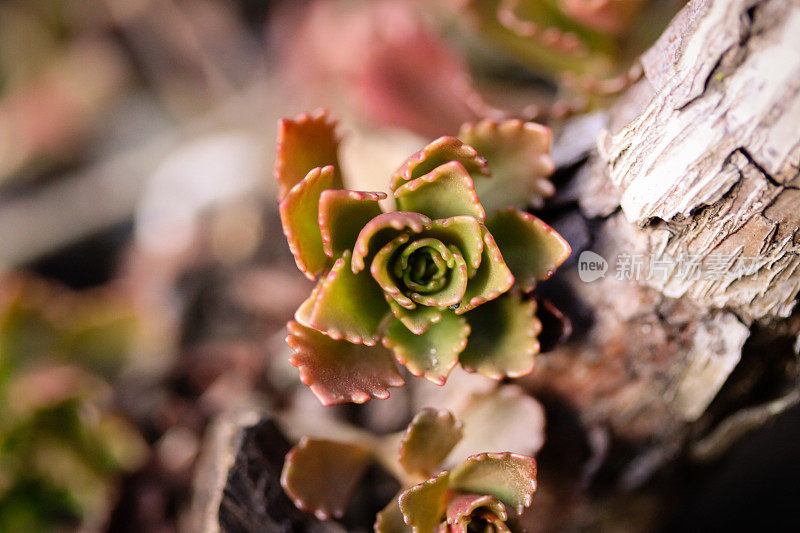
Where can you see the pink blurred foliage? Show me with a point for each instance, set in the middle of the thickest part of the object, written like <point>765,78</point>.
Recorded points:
<point>379,58</point>
<point>613,17</point>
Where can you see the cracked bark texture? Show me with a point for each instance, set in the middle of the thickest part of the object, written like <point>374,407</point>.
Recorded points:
<point>700,163</point>
<point>711,163</point>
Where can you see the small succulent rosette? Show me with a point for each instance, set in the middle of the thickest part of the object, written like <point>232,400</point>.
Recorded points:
<point>443,278</point>
<point>475,495</point>
<point>589,45</point>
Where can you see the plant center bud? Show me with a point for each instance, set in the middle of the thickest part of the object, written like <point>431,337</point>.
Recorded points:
<point>424,265</point>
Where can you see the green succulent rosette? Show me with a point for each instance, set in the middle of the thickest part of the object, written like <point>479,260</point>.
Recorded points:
<point>415,284</point>
<point>588,45</point>
<point>472,497</point>
<point>485,492</point>
<point>551,35</point>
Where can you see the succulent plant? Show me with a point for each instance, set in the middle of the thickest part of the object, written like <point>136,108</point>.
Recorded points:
<point>472,496</point>
<point>63,445</point>
<point>440,280</point>
<point>590,45</point>
<point>543,34</point>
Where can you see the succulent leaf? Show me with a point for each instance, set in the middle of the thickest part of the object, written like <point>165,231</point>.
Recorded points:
<point>423,271</point>
<point>390,519</point>
<point>342,215</point>
<point>530,248</point>
<point>492,279</point>
<point>306,142</point>
<point>442,150</point>
<point>492,521</point>
<point>303,313</point>
<point>519,158</point>
<point>463,505</point>
<point>463,232</point>
<point>444,192</point>
<point>382,229</point>
<point>504,338</point>
<point>432,354</point>
<point>417,320</point>
<point>452,278</point>
<point>338,371</point>
<point>299,212</point>
<point>541,36</point>
<point>509,477</point>
<point>381,271</point>
<point>424,505</point>
<point>428,440</point>
<point>505,419</point>
<point>345,305</point>
<point>320,475</point>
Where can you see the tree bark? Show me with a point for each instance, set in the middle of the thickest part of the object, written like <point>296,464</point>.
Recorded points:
<point>699,167</point>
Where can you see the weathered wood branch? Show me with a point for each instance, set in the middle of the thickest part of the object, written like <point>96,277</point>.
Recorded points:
<point>697,179</point>
<point>711,163</point>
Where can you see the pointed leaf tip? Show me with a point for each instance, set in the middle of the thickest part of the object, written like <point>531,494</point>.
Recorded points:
<point>338,371</point>
<point>305,142</point>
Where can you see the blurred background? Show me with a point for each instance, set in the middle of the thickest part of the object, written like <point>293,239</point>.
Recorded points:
<point>144,278</point>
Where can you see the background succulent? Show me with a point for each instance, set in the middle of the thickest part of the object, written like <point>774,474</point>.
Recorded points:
<point>63,443</point>
<point>418,278</point>
<point>588,44</point>
<point>475,492</point>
